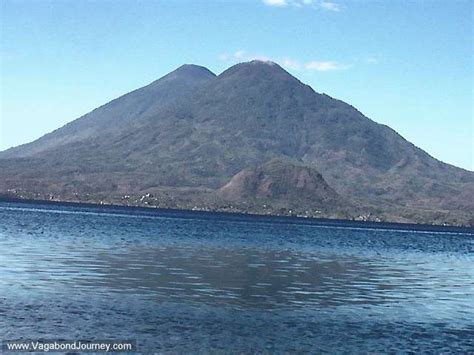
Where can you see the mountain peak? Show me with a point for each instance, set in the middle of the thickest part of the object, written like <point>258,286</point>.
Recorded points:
<point>190,71</point>
<point>258,69</point>
<point>262,61</point>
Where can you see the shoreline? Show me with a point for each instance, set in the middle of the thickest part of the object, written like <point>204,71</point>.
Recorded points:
<point>274,218</point>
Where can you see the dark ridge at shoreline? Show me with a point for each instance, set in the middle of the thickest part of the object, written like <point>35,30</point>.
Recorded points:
<point>236,216</point>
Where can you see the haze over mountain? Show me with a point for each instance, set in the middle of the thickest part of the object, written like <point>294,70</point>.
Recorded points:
<point>180,142</point>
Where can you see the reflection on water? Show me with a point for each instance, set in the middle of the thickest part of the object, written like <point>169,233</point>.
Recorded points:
<point>255,279</point>
<point>180,283</point>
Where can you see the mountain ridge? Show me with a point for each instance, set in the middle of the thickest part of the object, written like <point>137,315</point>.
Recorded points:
<point>138,102</point>
<point>209,128</point>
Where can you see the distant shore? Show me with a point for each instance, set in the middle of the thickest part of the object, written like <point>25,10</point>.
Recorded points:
<point>275,218</point>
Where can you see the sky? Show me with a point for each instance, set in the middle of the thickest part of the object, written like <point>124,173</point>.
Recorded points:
<point>406,64</point>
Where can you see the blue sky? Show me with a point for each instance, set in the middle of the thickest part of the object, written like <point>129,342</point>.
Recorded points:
<point>407,64</point>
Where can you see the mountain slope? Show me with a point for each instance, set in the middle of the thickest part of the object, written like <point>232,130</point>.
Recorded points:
<point>250,114</point>
<point>117,113</point>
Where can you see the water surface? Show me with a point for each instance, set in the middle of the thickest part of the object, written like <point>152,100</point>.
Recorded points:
<point>181,282</point>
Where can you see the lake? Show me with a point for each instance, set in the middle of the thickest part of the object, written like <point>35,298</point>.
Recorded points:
<point>195,282</point>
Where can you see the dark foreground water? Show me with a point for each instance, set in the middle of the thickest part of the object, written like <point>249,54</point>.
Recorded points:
<point>187,283</point>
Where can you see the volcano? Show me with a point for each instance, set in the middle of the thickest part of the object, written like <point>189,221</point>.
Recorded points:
<point>252,139</point>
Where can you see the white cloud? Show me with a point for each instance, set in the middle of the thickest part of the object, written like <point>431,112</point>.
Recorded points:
<point>331,6</point>
<point>324,66</point>
<point>291,64</point>
<point>286,62</point>
<point>279,3</point>
<point>242,56</point>
<point>326,5</point>
<point>262,58</point>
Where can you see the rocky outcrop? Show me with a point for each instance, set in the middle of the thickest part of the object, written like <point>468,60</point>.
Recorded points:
<point>280,181</point>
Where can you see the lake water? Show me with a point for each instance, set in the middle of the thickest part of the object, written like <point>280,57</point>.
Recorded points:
<point>185,282</point>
